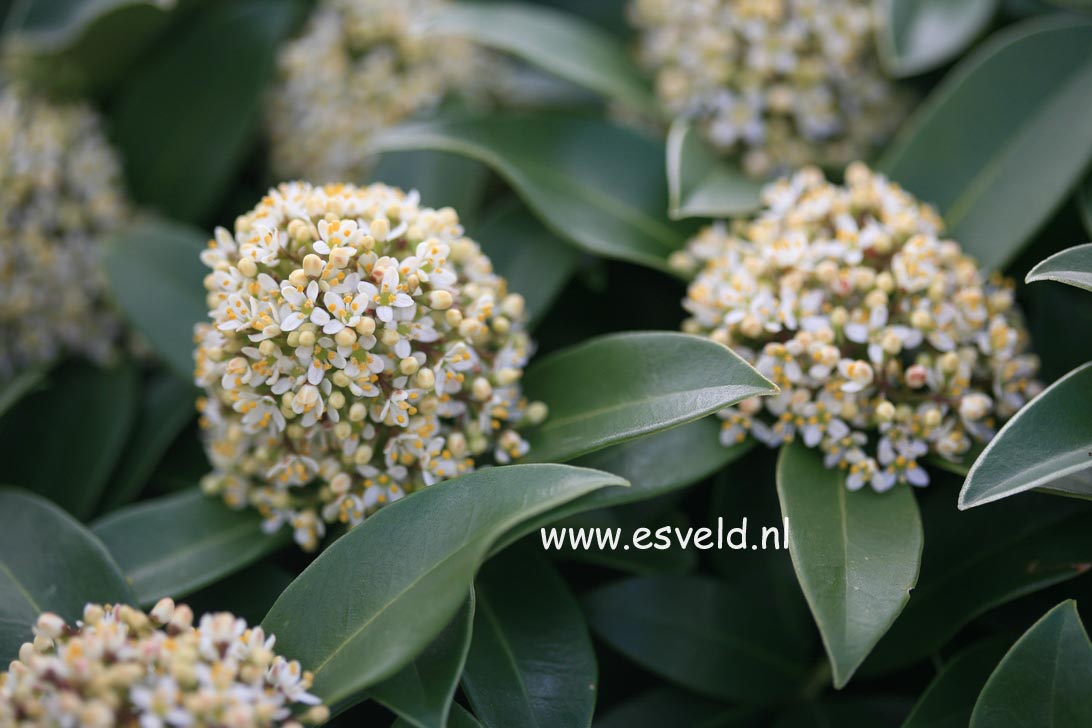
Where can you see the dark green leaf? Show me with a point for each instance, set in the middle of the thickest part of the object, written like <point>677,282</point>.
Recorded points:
<point>391,584</point>
<point>48,563</point>
<point>949,699</point>
<point>856,554</point>
<point>997,165</point>
<point>597,185</point>
<point>665,706</point>
<point>49,25</point>
<point>63,440</point>
<point>1084,203</point>
<point>166,406</point>
<point>1043,680</point>
<point>622,523</point>
<point>14,389</point>
<point>700,634</point>
<point>248,593</point>
<point>533,260</point>
<point>916,36</point>
<point>531,662</point>
<point>1051,437</point>
<point>156,276</point>
<point>700,184</point>
<point>1072,266</point>
<point>618,387</point>
<point>179,543</point>
<point>460,718</point>
<point>859,711</point>
<point>977,560</point>
<point>422,691</point>
<point>186,117</point>
<point>557,42</point>
<point>443,179</point>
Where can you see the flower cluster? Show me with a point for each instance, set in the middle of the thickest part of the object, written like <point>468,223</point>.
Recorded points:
<point>885,339</point>
<point>59,191</point>
<point>781,83</point>
<point>361,347</point>
<point>358,67</point>
<point>121,667</point>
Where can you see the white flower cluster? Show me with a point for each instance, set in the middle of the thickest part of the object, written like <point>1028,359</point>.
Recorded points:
<point>60,190</point>
<point>780,83</point>
<point>361,347</point>
<point>121,667</point>
<point>885,339</point>
<point>358,67</point>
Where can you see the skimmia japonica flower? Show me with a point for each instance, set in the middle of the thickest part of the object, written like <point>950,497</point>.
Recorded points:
<point>777,83</point>
<point>886,340</point>
<point>361,347</point>
<point>121,667</point>
<point>60,191</point>
<point>358,67</point>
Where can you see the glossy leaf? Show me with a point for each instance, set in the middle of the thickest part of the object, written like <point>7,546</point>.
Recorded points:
<point>179,543</point>
<point>48,563</point>
<point>856,554</point>
<point>441,178</point>
<point>50,25</point>
<point>560,43</point>
<point>702,185</point>
<point>1043,680</point>
<point>534,261</point>
<point>531,662</point>
<point>616,388</point>
<point>699,634</point>
<point>1084,203</point>
<point>166,406</point>
<point>185,119</point>
<point>916,36</point>
<point>1048,439</point>
<point>950,697</point>
<point>18,386</point>
<point>658,558</point>
<point>997,165</point>
<point>460,718</point>
<point>421,692</point>
<point>978,560</point>
<point>63,440</point>
<point>1072,266</point>
<point>391,584</point>
<point>597,185</point>
<point>157,278</point>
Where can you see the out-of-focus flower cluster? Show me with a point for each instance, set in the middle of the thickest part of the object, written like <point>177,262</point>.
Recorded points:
<point>780,83</point>
<point>361,347</point>
<point>60,191</point>
<point>885,339</point>
<point>121,667</point>
<point>358,67</point>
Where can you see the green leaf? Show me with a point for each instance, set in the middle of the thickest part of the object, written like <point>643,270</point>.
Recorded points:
<point>950,697</point>
<point>443,179</point>
<point>664,706</point>
<point>166,406</point>
<point>856,554</point>
<point>248,593</point>
<point>186,117</point>
<point>174,545</point>
<point>851,711</point>
<point>978,560</point>
<point>1049,438</point>
<point>63,440</point>
<point>1084,203</point>
<point>22,384</point>
<point>623,522</point>
<point>531,661</point>
<point>1043,680</point>
<point>460,718</point>
<point>702,185</point>
<point>997,165</point>
<point>595,184</point>
<point>654,465</point>
<point>48,563</point>
<point>700,634</point>
<point>916,36</point>
<point>157,279</point>
<point>533,260</point>
<point>619,387</point>
<point>421,693</point>
<point>560,43</point>
<point>1072,266</point>
<point>50,25</point>
<point>391,584</point>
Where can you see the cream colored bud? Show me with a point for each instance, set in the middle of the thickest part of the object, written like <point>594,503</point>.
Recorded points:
<point>366,326</point>
<point>513,306</point>
<point>537,412</point>
<point>343,430</point>
<point>380,228</point>
<point>341,379</point>
<point>313,265</point>
<point>293,339</point>
<point>933,418</point>
<point>425,378</point>
<point>248,267</point>
<point>345,337</point>
<point>389,337</point>
<point>885,411</point>
<point>49,625</point>
<point>482,389</point>
<point>162,611</point>
<point>357,412</point>
<point>453,317</point>
<point>337,400</point>
<point>298,278</point>
<point>508,376</point>
<point>921,320</point>
<point>409,365</point>
<point>470,328</point>
<point>949,362</point>
<point>341,257</point>
<point>440,300</point>
<point>307,338</point>
<point>839,317</point>
<point>363,455</point>
<point>501,325</point>
<point>885,282</point>
<point>891,343</point>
